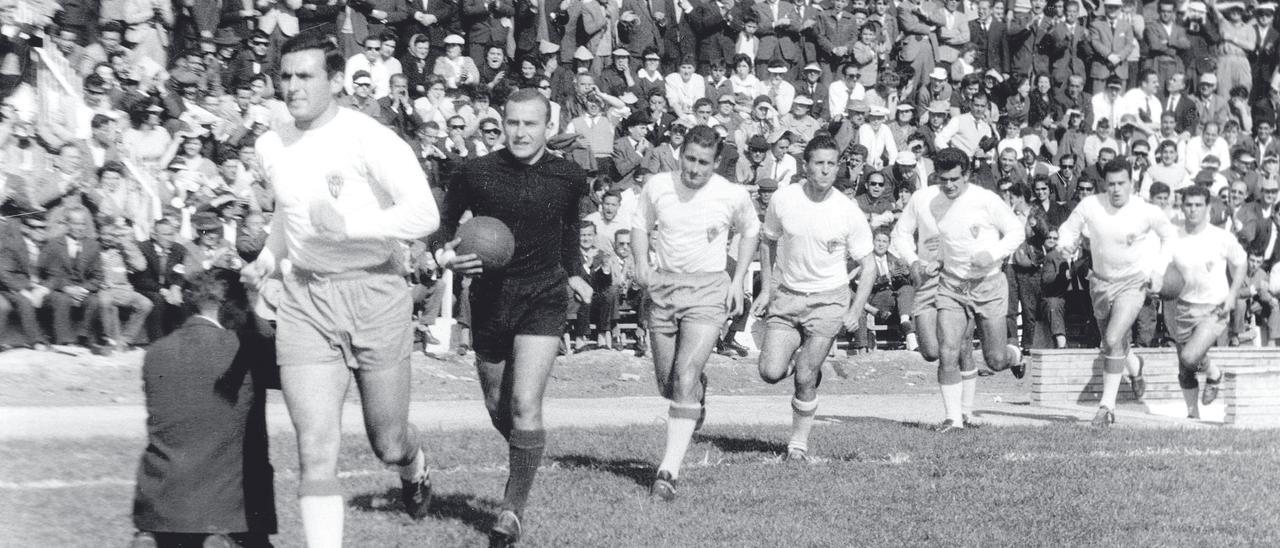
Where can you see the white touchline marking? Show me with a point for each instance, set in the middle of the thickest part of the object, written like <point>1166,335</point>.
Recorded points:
<point>894,459</point>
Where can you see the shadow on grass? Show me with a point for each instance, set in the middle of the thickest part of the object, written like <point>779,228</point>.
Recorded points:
<point>638,471</point>
<point>473,511</point>
<point>859,421</point>
<point>733,444</point>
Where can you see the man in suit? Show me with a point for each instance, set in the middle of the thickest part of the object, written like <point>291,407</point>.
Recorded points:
<point>434,18</point>
<point>161,280</point>
<point>1112,41</point>
<point>779,32</point>
<point>206,471</point>
<point>891,295</point>
<point>19,254</point>
<point>1166,41</point>
<point>638,28</point>
<point>990,41</point>
<point>482,19</point>
<point>118,257</point>
<point>1267,55</point>
<point>917,23</point>
<point>629,150</point>
<point>1067,46</point>
<point>837,32</point>
<point>1183,107</point>
<point>70,267</point>
<point>1026,41</point>
<point>1259,232</point>
<point>712,24</point>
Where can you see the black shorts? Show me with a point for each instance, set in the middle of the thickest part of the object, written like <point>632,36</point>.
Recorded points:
<point>502,308</point>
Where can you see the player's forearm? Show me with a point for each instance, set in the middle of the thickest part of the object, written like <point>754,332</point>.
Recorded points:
<point>746,250</point>
<point>413,216</point>
<point>768,252</point>
<point>903,237</point>
<point>1237,280</point>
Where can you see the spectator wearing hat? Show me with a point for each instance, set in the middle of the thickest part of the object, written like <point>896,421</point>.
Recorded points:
<point>20,284</point>
<point>649,77</point>
<point>837,34</point>
<point>779,23</point>
<point>812,86</point>
<point>617,78</point>
<point>664,156</point>
<point>756,163</point>
<point>1210,105</point>
<point>799,122</point>
<point>1106,103</point>
<point>762,121</point>
<point>598,131</point>
<point>630,148</point>
<point>876,136</point>
<point>778,88</point>
<point>456,68</point>
<point>989,37</point>
<point>210,249</point>
<point>938,89</point>
<point>361,99</point>
<point>1111,40</point>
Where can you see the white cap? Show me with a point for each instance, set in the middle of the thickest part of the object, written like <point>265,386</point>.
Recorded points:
<point>938,73</point>
<point>454,39</point>
<point>905,158</point>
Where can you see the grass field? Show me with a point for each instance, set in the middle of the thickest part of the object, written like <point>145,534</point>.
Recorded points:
<point>880,483</point>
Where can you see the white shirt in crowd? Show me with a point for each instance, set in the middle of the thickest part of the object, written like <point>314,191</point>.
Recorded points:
<point>374,181</point>
<point>380,72</point>
<point>681,94</point>
<point>692,226</point>
<point>815,238</point>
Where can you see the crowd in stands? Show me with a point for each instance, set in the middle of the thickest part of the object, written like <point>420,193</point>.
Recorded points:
<point>152,176</point>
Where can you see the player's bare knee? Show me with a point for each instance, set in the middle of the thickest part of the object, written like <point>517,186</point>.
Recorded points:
<point>1187,378</point>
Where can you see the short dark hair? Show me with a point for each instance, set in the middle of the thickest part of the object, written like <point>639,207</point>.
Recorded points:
<point>950,158</point>
<point>703,136</point>
<point>100,120</point>
<point>820,142</point>
<point>1021,190</point>
<point>528,95</point>
<point>1117,165</point>
<point>333,61</point>
<point>611,194</point>
<point>1195,190</point>
<point>1158,188</point>
<point>111,26</point>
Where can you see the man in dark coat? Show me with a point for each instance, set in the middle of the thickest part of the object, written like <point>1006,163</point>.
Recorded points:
<point>206,470</point>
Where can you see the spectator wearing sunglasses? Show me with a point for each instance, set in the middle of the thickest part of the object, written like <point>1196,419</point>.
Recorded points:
<point>361,98</point>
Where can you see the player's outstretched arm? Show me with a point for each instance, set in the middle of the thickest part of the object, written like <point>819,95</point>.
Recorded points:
<point>768,252</point>
<point>1237,260</point>
<point>903,238</point>
<point>1168,234</point>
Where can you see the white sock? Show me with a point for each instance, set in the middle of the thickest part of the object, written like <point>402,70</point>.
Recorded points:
<point>415,470</point>
<point>679,435</point>
<point>322,521</point>
<point>802,413</point>
<point>969,383</point>
<point>1192,397</point>
<point>1110,388</point>
<point>952,394</point>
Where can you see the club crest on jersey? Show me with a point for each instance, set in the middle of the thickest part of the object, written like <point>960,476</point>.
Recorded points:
<point>712,233</point>
<point>1130,239</point>
<point>834,245</point>
<point>1208,266</point>
<point>335,184</point>
<point>975,230</point>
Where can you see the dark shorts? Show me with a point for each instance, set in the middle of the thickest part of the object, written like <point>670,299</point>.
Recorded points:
<point>362,323</point>
<point>502,308</point>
